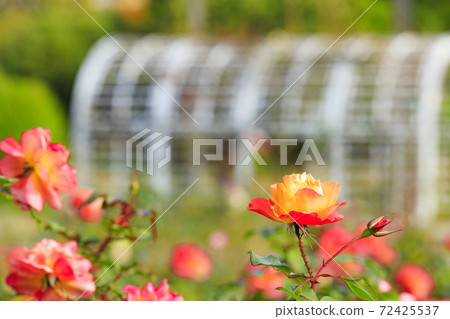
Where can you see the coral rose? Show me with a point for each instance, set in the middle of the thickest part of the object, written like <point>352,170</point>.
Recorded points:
<point>302,199</point>
<point>40,167</point>
<point>92,212</point>
<point>150,293</point>
<point>51,271</point>
<point>265,280</point>
<point>415,280</point>
<point>191,262</point>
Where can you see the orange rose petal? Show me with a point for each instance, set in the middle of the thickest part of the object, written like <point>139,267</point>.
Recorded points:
<point>308,200</point>
<point>329,210</point>
<point>331,190</point>
<point>301,195</point>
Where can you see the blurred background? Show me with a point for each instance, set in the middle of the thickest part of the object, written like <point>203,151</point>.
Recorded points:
<point>377,105</point>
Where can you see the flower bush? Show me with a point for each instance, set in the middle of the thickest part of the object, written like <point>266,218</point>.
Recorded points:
<point>315,261</point>
<point>40,168</point>
<point>51,271</point>
<point>302,201</point>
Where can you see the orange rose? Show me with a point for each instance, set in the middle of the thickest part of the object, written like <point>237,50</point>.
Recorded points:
<point>302,199</point>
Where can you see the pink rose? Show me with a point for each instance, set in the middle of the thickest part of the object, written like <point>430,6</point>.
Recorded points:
<point>40,167</point>
<point>191,262</point>
<point>150,293</point>
<point>51,271</point>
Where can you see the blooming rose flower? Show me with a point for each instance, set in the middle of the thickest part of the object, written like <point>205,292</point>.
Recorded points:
<point>265,280</point>
<point>191,262</point>
<point>92,212</point>
<point>40,167</point>
<point>150,293</point>
<point>51,271</point>
<point>415,280</point>
<point>302,199</point>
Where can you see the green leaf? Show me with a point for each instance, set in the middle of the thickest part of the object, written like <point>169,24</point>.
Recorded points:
<point>361,289</point>
<point>290,293</point>
<point>309,293</point>
<point>328,298</point>
<point>271,261</point>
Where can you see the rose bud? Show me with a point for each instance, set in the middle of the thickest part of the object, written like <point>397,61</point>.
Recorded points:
<point>90,212</point>
<point>376,225</point>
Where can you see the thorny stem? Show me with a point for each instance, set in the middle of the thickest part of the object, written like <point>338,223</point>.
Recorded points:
<point>302,250</point>
<point>313,278</point>
<point>305,260</point>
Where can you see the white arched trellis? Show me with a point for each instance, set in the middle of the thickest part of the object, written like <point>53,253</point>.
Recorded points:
<point>435,67</point>
<point>374,103</point>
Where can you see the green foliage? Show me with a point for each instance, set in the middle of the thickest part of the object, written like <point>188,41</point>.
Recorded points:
<point>300,293</point>
<point>263,16</point>
<point>49,43</point>
<point>361,288</point>
<point>28,103</point>
<point>273,262</point>
<point>328,298</point>
<point>431,15</point>
<point>270,260</point>
<point>291,293</point>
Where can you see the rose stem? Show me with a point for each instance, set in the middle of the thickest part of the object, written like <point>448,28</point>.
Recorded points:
<point>302,250</point>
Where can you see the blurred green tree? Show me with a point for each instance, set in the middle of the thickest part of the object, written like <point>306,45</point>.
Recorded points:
<point>27,103</point>
<point>49,43</point>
